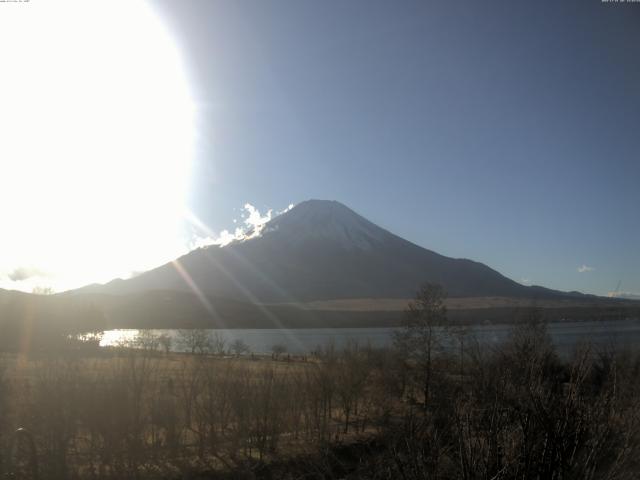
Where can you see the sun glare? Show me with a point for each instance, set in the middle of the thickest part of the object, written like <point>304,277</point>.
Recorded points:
<point>96,125</point>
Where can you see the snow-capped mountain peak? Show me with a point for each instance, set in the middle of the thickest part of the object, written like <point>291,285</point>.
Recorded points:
<point>326,220</point>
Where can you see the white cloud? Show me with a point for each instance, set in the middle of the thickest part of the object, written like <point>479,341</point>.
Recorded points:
<point>291,205</point>
<point>26,279</point>
<point>625,295</point>
<point>23,273</point>
<point>525,281</point>
<point>253,223</point>
<point>585,268</point>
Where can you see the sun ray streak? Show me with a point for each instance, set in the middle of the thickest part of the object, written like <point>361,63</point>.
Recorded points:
<point>242,259</point>
<point>248,294</point>
<point>196,290</point>
<point>275,321</point>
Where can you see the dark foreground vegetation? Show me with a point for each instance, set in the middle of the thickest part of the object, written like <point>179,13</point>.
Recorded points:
<point>438,405</point>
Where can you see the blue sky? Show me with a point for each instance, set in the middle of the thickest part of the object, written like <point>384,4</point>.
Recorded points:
<point>505,132</point>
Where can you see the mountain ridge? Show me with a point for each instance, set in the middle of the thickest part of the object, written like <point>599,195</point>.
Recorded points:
<point>322,250</point>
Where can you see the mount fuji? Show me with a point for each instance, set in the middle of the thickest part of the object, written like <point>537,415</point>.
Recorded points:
<point>317,251</point>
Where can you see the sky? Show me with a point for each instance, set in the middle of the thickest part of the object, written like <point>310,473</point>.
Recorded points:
<point>501,131</point>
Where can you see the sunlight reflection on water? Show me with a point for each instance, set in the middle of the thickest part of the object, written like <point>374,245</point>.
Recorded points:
<point>112,338</point>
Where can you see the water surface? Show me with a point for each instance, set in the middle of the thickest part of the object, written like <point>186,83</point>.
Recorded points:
<point>620,334</point>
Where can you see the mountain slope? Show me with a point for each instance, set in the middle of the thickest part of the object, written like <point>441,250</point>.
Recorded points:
<point>321,250</point>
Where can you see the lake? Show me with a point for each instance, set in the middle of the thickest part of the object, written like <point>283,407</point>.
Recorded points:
<point>623,334</point>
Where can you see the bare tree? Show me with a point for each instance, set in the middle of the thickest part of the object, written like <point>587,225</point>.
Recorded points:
<point>218,343</point>
<point>351,378</point>
<point>147,340</point>
<point>194,340</point>
<point>165,342</point>
<point>421,335</point>
<point>277,350</point>
<point>239,347</point>
<point>43,290</point>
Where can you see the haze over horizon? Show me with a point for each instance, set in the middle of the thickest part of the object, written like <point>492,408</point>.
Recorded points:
<point>498,132</point>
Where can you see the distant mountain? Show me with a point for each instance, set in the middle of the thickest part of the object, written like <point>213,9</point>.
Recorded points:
<point>27,320</point>
<point>318,265</point>
<point>321,250</point>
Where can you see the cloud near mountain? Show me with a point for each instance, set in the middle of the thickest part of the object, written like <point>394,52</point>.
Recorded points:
<point>23,273</point>
<point>252,224</point>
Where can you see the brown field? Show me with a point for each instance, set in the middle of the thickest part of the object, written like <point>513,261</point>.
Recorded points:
<point>455,303</point>
<point>122,413</point>
<point>516,411</point>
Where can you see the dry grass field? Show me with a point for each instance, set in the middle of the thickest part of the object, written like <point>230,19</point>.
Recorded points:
<point>456,303</point>
<point>515,411</point>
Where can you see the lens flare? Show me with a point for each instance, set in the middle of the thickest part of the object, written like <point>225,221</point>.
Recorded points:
<point>96,126</point>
